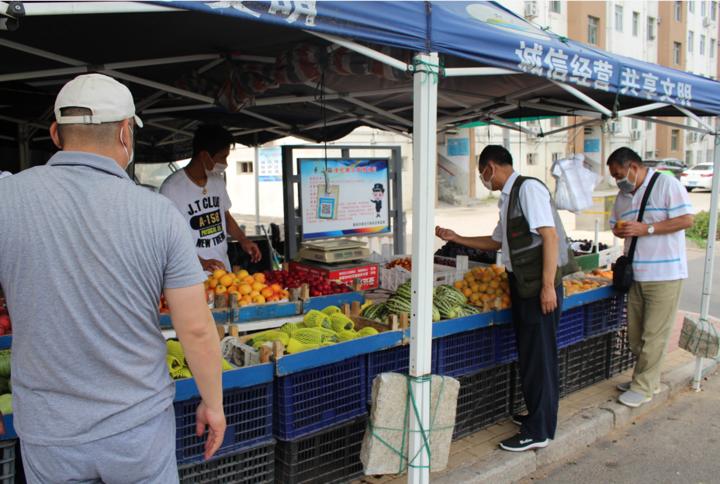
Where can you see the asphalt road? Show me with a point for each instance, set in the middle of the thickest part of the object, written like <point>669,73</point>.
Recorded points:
<point>676,444</point>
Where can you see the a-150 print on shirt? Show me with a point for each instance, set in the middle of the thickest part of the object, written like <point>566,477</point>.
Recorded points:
<point>206,219</point>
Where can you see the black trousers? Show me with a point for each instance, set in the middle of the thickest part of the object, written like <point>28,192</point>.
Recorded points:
<point>535,334</point>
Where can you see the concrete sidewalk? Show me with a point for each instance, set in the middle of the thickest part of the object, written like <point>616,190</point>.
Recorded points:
<point>585,417</point>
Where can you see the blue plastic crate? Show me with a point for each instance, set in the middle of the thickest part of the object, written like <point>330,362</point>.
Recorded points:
<point>395,360</point>
<point>505,344</point>
<point>465,353</point>
<point>319,398</point>
<point>571,328</point>
<point>605,316</point>
<point>248,412</point>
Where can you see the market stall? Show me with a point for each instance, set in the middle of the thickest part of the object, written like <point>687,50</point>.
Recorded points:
<point>279,79</point>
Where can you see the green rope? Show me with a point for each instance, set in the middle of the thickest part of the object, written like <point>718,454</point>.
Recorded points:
<point>430,70</point>
<point>411,404</point>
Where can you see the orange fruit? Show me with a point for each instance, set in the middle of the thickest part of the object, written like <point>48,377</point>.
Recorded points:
<point>258,286</point>
<point>213,283</point>
<point>467,292</point>
<point>246,299</point>
<point>249,280</point>
<point>267,292</point>
<point>242,303</point>
<point>273,299</point>
<point>259,277</point>
<point>218,273</point>
<point>254,293</point>
<point>242,274</point>
<point>259,299</point>
<point>233,288</point>
<point>220,289</point>
<point>245,288</point>
<point>276,287</point>
<point>227,280</point>
<point>458,284</point>
<point>238,282</point>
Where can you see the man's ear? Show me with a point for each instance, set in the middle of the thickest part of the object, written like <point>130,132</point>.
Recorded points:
<point>55,136</point>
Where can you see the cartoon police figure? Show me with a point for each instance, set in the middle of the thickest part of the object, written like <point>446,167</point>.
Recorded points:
<point>378,192</point>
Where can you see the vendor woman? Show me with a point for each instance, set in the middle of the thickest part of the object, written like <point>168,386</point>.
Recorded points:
<point>199,192</point>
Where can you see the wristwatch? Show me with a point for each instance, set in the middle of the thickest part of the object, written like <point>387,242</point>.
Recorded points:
<point>651,229</point>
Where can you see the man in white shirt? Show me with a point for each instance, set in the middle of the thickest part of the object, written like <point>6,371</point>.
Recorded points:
<point>659,264</point>
<point>536,316</point>
<point>199,192</point>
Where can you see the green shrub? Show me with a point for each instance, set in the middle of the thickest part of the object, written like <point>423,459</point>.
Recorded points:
<point>699,231</point>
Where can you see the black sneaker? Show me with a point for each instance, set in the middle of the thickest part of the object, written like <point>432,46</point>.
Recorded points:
<point>520,443</point>
<point>518,419</point>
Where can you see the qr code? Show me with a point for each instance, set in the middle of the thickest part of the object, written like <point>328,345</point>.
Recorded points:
<point>326,209</point>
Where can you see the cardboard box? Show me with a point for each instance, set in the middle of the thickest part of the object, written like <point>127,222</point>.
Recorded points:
<point>345,273</point>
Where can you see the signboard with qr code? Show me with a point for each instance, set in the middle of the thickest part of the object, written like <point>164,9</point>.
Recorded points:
<point>341,197</point>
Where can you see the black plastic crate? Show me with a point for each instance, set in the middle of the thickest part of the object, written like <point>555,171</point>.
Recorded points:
<point>249,466</point>
<point>586,364</point>
<point>248,412</point>
<point>319,398</point>
<point>505,344</point>
<point>517,401</point>
<point>329,456</point>
<point>571,327</point>
<point>484,399</point>
<point>466,353</point>
<point>395,360</point>
<point>620,358</point>
<point>605,316</point>
<point>7,461</point>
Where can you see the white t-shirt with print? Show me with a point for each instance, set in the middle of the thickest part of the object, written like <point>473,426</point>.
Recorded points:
<point>657,257</point>
<point>204,213</point>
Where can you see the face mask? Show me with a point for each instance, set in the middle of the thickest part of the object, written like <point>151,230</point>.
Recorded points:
<point>130,155</point>
<point>219,168</point>
<point>625,185</point>
<point>487,183</point>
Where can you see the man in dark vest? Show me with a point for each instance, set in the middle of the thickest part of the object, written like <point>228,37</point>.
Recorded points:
<point>534,246</point>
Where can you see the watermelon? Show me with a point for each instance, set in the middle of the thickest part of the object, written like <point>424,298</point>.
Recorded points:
<point>398,305</point>
<point>375,312</point>
<point>404,290</point>
<point>435,314</point>
<point>450,295</point>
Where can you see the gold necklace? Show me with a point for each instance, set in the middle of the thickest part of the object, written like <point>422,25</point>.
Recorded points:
<point>194,180</point>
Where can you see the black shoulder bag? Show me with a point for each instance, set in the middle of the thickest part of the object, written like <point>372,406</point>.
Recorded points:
<point>623,276</point>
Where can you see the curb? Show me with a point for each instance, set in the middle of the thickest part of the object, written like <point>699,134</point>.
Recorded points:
<point>580,431</point>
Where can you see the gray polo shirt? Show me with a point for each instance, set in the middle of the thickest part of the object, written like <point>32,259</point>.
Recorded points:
<point>84,256</point>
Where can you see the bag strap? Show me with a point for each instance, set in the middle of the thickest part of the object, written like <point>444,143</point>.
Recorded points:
<point>645,198</point>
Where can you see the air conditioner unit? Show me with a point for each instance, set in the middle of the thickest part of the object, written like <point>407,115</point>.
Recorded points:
<point>531,9</point>
<point>635,134</point>
<point>613,127</point>
<point>706,20</point>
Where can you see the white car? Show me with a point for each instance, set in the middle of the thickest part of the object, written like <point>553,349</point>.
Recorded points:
<point>699,176</point>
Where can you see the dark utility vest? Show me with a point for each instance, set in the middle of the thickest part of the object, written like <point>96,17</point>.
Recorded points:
<point>526,248</point>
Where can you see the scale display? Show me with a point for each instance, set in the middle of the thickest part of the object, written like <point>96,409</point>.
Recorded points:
<point>341,197</point>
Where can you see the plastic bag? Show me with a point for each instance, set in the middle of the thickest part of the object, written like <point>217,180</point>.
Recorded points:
<point>574,184</point>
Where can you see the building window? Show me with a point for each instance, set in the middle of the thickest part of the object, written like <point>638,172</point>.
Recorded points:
<point>636,24</point>
<point>710,156</point>
<point>648,126</point>
<point>244,167</point>
<point>702,45</point>
<point>618,18</point>
<point>634,124</point>
<point>558,156</point>
<point>678,11</point>
<point>688,157</point>
<point>555,6</point>
<point>712,47</point>
<point>713,10</point>
<point>677,53</point>
<point>649,155</point>
<point>691,40</point>
<point>691,6</point>
<point>556,122</point>
<point>703,9</point>
<point>531,159</point>
<point>593,27</point>
<point>651,28</point>
<point>674,139</point>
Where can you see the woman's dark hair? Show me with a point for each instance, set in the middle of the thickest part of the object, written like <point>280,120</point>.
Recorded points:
<point>495,153</point>
<point>212,138</point>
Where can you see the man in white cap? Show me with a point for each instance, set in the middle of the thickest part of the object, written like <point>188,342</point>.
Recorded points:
<point>92,397</point>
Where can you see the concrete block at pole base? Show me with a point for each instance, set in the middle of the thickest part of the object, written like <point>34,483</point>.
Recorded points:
<point>701,338</point>
<point>388,434</point>
<point>499,467</point>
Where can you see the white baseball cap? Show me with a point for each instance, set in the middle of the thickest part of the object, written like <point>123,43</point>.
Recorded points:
<point>108,100</point>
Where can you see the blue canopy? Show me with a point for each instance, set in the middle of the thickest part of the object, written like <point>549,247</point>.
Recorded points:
<point>484,32</point>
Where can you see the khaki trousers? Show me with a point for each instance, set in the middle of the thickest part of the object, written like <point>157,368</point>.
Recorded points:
<point>652,310</point>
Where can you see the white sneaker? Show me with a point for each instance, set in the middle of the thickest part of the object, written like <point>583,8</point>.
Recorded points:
<point>633,399</point>
<point>624,387</point>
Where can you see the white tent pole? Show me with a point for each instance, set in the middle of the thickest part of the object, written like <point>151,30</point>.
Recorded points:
<point>477,71</point>
<point>709,254</point>
<point>361,49</point>
<point>76,8</point>
<point>425,85</point>
<point>585,98</point>
<point>256,169</point>
<point>674,125</point>
<point>695,117</point>
<point>640,109</point>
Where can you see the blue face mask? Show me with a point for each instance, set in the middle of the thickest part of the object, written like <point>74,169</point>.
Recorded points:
<point>625,185</point>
